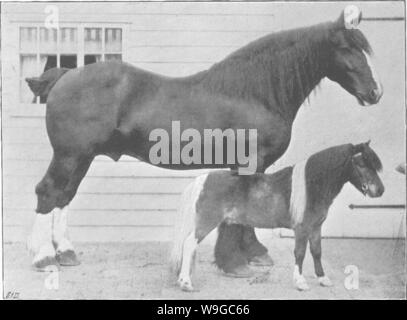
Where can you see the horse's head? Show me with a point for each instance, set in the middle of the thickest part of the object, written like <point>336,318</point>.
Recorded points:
<point>350,64</point>
<point>364,168</point>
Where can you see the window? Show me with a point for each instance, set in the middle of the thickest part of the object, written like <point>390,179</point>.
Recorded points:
<point>68,47</point>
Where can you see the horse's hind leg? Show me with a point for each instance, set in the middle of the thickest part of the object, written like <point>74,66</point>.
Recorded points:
<point>54,192</point>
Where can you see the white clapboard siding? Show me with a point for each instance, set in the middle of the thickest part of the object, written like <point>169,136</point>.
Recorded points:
<point>130,200</point>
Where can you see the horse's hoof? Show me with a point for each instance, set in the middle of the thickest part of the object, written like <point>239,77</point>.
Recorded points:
<point>262,261</point>
<point>325,281</point>
<point>67,258</point>
<point>46,264</point>
<point>242,271</point>
<point>185,285</point>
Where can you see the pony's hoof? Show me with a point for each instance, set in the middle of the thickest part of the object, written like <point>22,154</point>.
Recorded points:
<point>242,271</point>
<point>325,281</point>
<point>186,285</point>
<point>46,264</point>
<point>262,261</point>
<point>67,258</point>
<point>301,284</point>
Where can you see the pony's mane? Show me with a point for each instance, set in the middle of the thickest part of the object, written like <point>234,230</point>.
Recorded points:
<point>370,157</point>
<point>329,162</point>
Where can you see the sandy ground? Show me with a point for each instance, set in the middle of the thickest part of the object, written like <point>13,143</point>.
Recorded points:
<point>139,271</point>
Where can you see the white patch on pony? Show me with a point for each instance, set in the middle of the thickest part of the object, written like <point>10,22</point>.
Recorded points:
<point>184,227</point>
<point>299,280</point>
<point>40,240</point>
<point>298,199</point>
<point>60,228</point>
<point>374,73</point>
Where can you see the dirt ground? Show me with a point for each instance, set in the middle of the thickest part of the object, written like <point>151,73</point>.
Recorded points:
<point>139,271</point>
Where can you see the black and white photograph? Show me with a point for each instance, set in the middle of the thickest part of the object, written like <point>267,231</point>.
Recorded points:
<point>214,150</point>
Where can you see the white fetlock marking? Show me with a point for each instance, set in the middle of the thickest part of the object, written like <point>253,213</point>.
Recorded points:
<point>325,281</point>
<point>41,235</point>
<point>64,245</point>
<point>299,280</point>
<point>60,230</point>
<point>184,278</point>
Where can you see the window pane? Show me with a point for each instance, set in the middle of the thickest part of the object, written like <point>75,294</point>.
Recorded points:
<point>92,58</point>
<point>28,39</point>
<point>48,40</point>
<point>113,40</point>
<point>47,61</point>
<point>110,57</point>
<point>68,42</point>
<point>68,61</point>
<point>93,40</point>
<point>28,66</point>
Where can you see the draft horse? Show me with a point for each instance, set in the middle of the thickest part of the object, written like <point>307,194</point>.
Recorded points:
<point>110,108</point>
<point>296,197</point>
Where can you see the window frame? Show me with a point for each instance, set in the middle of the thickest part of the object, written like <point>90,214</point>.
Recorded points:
<point>25,107</point>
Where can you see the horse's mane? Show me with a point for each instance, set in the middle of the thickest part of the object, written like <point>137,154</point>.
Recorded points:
<point>279,67</point>
<point>356,39</point>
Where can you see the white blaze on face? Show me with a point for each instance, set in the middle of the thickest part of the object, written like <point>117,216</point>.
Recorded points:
<point>298,199</point>
<point>374,74</point>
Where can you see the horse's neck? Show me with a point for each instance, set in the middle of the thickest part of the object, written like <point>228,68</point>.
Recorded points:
<point>309,69</point>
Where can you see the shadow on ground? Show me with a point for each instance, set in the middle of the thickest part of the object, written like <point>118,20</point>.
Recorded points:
<point>139,271</point>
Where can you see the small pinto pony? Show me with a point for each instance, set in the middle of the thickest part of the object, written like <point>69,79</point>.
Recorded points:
<point>295,197</point>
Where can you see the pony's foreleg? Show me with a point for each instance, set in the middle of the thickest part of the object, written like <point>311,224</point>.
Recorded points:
<point>188,255</point>
<point>315,247</point>
<point>301,240</point>
<point>40,243</point>
<point>65,253</point>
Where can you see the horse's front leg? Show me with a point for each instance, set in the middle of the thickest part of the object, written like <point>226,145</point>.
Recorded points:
<point>301,240</point>
<point>316,251</point>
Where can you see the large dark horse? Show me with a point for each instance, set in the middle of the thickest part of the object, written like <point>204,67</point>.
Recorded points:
<point>296,197</point>
<point>111,108</point>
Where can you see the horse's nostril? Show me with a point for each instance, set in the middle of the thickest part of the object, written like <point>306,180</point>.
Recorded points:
<point>374,93</point>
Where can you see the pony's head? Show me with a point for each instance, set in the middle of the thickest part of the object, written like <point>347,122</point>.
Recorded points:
<point>350,64</point>
<point>365,166</point>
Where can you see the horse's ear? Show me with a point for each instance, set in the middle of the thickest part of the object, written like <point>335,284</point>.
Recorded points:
<point>350,17</point>
<point>367,142</point>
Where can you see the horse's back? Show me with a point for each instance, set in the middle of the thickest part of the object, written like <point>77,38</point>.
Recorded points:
<point>84,107</point>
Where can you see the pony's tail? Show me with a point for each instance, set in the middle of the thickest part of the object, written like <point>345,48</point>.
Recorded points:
<point>185,221</point>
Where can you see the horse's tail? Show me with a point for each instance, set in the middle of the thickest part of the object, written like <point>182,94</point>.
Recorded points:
<point>41,86</point>
<point>185,221</point>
